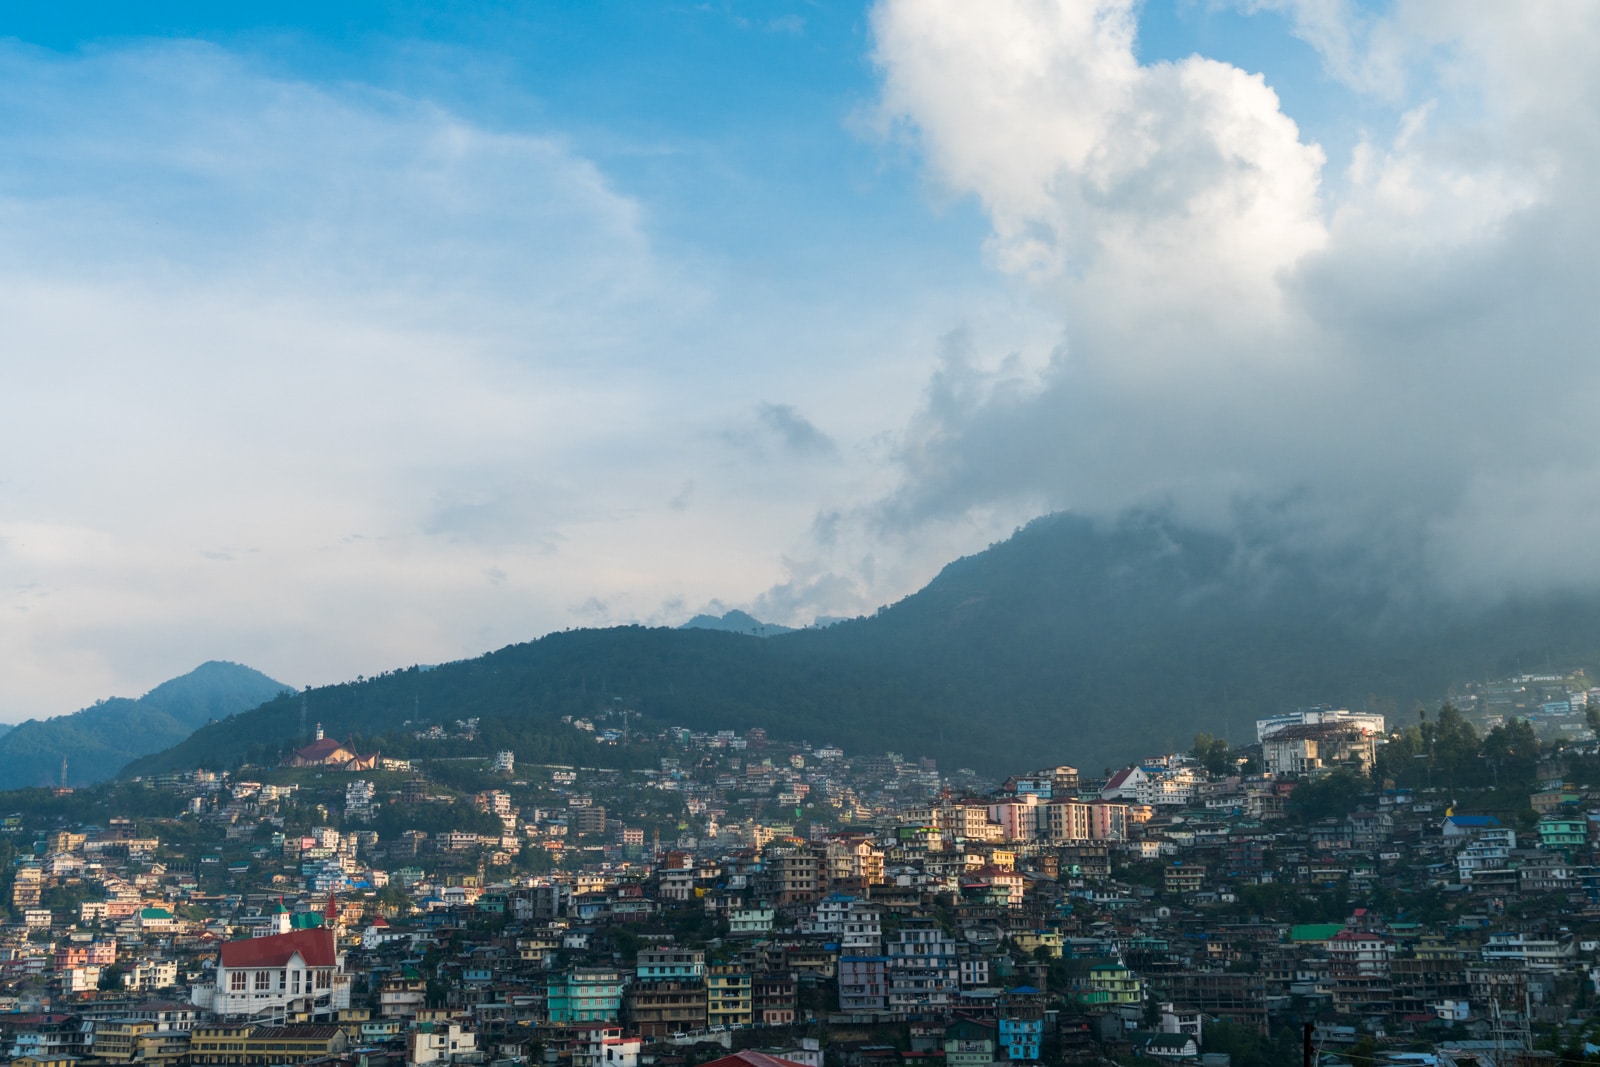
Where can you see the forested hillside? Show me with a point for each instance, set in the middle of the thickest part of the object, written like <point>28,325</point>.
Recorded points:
<point>97,741</point>
<point>1069,642</point>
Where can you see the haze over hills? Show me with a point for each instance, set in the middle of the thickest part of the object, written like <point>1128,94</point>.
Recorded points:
<point>97,741</point>
<point>1070,642</point>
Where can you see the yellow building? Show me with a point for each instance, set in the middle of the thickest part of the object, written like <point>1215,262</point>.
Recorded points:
<point>728,996</point>
<point>1112,983</point>
<point>1034,940</point>
<point>53,1059</point>
<point>130,1040</point>
<point>264,1046</point>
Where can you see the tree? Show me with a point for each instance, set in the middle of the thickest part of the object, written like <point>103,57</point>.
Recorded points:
<point>1512,750</point>
<point>1213,754</point>
<point>1333,796</point>
<point>1453,744</point>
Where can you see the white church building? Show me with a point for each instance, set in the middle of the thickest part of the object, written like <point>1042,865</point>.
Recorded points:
<point>284,973</point>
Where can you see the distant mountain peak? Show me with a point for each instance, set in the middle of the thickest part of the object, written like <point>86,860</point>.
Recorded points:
<point>98,740</point>
<point>738,622</point>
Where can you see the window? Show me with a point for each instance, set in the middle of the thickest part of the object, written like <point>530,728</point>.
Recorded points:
<point>263,981</point>
<point>236,982</point>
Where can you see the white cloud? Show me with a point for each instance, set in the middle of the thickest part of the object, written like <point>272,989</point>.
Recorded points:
<point>326,379</point>
<point>1382,357</point>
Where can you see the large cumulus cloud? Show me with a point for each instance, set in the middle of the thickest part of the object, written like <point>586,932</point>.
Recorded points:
<point>1402,339</point>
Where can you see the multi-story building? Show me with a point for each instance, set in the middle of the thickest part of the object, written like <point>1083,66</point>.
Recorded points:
<point>1358,972</point>
<point>1369,722</point>
<point>1183,878</point>
<point>773,1000</point>
<point>729,996</point>
<point>1065,819</point>
<point>750,922</point>
<point>1234,996</point>
<point>402,995</point>
<point>584,995</point>
<point>1112,985</point>
<point>863,983</point>
<point>1487,850</point>
<point>150,975</point>
<point>795,875</point>
<point>1563,834</point>
<point>923,968</point>
<point>46,1035</point>
<point>1020,1022</point>
<point>853,862</point>
<point>263,1046</point>
<point>604,1046</point>
<point>968,1043</point>
<point>670,964</point>
<point>1529,953</point>
<point>854,925</point>
<point>94,954</point>
<point>589,820</point>
<point>267,977</point>
<point>439,1043</point>
<point>1315,748</point>
<point>665,1007</point>
<point>142,1040</point>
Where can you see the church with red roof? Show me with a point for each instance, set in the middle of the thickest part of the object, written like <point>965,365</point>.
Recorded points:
<point>266,978</point>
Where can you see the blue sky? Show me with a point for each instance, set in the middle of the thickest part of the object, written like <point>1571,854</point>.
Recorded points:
<point>340,337</point>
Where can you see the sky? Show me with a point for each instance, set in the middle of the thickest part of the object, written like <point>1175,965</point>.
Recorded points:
<point>337,338</point>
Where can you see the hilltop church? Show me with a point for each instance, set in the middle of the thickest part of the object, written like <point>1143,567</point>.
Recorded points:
<point>326,752</point>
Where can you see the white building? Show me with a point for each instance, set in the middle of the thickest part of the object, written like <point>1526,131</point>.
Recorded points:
<point>750,922</point>
<point>430,1043</point>
<point>150,975</point>
<point>605,1046</point>
<point>1366,721</point>
<point>267,977</point>
<point>358,797</point>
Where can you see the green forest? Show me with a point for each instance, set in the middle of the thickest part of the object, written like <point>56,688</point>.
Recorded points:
<point>1068,643</point>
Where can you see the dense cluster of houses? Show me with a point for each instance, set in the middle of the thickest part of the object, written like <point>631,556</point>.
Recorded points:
<point>1053,918</point>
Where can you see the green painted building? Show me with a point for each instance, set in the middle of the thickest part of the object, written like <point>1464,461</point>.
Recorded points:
<point>584,995</point>
<point>1556,832</point>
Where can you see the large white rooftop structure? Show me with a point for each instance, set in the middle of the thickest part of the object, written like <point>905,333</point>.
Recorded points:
<point>1367,721</point>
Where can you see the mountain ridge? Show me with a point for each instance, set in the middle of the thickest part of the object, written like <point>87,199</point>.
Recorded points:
<point>98,741</point>
<point>1072,641</point>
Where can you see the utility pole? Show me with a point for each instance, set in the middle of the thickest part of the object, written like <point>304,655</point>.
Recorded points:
<point>1306,1052</point>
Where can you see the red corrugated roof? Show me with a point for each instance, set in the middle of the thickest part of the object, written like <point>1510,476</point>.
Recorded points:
<point>752,1059</point>
<point>315,947</point>
<point>319,750</point>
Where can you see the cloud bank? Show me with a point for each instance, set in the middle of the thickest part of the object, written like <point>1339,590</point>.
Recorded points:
<point>1402,342</point>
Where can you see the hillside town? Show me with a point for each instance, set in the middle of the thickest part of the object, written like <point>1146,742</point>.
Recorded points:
<point>752,900</point>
